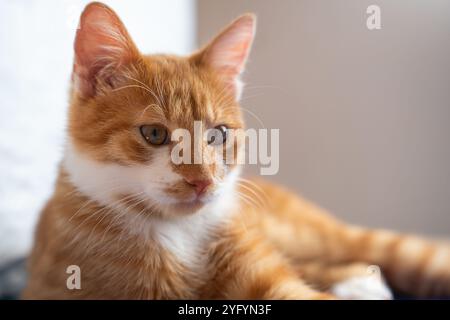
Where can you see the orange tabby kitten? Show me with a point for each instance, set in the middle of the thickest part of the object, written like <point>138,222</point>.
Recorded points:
<point>140,226</point>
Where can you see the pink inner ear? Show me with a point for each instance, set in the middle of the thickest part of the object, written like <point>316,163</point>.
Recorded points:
<point>228,52</point>
<point>102,40</point>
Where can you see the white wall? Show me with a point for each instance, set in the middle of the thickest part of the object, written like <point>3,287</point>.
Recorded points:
<point>35,62</point>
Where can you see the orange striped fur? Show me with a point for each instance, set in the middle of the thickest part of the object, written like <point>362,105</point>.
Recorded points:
<point>128,216</point>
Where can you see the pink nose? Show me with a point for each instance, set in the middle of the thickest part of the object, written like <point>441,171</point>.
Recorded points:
<point>199,185</point>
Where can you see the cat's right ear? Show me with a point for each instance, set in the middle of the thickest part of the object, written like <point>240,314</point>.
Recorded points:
<point>102,45</point>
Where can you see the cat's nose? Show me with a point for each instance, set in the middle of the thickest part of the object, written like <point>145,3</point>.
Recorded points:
<point>200,185</point>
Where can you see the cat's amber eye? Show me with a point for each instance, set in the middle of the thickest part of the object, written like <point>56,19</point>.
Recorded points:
<point>155,134</point>
<point>218,135</point>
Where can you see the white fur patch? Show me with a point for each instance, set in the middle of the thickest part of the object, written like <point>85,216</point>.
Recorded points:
<point>362,288</point>
<point>188,237</point>
<point>101,181</point>
<point>185,236</point>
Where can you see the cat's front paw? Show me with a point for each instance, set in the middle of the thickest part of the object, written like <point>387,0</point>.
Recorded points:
<point>362,288</point>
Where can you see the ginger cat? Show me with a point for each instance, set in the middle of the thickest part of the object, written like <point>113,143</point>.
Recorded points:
<point>141,227</point>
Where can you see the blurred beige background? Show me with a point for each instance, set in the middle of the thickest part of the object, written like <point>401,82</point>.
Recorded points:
<point>363,115</point>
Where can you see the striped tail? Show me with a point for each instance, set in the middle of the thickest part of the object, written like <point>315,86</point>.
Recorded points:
<point>410,264</point>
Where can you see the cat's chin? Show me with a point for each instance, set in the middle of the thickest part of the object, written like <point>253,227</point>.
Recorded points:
<point>186,207</point>
<point>173,209</point>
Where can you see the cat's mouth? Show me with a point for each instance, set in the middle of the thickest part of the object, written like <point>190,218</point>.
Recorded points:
<point>183,199</point>
<point>192,205</point>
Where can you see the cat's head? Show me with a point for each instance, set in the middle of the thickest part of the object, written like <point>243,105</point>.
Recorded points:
<point>126,106</point>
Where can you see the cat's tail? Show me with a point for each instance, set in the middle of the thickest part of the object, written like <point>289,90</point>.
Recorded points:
<point>410,264</point>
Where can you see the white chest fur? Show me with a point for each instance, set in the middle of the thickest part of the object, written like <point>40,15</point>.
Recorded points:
<point>187,238</point>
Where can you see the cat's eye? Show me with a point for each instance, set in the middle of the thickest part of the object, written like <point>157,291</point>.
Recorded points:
<point>155,134</point>
<point>218,135</point>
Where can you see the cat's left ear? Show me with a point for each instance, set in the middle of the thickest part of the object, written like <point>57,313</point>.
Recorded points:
<point>227,53</point>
